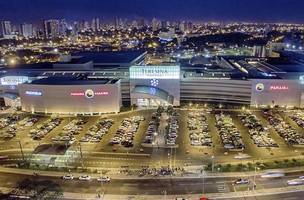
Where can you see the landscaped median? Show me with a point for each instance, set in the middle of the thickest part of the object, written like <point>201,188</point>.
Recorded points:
<point>254,193</point>
<point>251,166</point>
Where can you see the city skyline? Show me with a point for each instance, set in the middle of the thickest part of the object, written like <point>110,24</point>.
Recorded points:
<point>218,10</point>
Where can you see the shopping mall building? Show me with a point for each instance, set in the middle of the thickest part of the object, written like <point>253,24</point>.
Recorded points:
<point>91,83</point>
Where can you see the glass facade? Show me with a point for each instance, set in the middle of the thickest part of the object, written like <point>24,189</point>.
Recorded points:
<point>155,72</point>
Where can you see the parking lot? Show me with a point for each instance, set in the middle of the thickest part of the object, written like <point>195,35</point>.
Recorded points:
<point>259,143</point>
<point>199,134</point>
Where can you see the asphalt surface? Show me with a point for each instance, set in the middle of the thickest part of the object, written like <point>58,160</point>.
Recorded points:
<point>184,155</point>
<point>287,196</point>
<point>152,186</point>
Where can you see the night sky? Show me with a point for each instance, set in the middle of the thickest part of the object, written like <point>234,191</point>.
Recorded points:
<point>198,10</point>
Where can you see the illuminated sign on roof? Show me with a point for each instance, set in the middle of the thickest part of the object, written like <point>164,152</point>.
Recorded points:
<point>13,80</point>
<point>154,72</point>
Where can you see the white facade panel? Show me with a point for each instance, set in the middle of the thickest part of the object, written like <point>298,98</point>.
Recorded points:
<point>276,92</point>
<point>70,99</point>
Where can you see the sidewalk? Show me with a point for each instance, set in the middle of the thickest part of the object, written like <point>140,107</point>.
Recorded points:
<point>262,192</point>
<point>256,193</point>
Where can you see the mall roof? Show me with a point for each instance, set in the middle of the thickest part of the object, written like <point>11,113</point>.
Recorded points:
<point>110,57</point>
<point>101,60</point>
<point>72,80</point>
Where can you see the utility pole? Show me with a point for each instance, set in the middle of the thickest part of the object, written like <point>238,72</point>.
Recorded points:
<point>165,194</point>
<point>81,155</point>
<point>21,150</point>
<point>212,163</point>
<point>171,157</point>
<point>174,161</point>
<point>101,184</point>
<point>203,173</point>
<point>255,173</point>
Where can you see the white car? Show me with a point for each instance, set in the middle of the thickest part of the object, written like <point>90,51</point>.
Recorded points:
<point>241,181</point>
<point>301,177</point>
<point>68,177</point>
<point>85,178</point>
<point>295,182</point>
<point>242,156</point>
<point>273,174</point>
<point>104,179</point>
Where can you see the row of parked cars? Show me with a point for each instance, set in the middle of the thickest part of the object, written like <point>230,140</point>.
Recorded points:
<point>259,134</point>
<point>126,131</point>
<point>28,121</point>
<point>13,127</point>
<point>9,120</point>
<point>198,129</point>
<point>284,129</point>
<point>173,126</point>
<point>69,130</point>
<point>151,131</point>
<point>74,127</point>
<point>298,117</point>
<point>229,134</point>
<point>42,130</point>
<point>86,178</point>
<point>97,131</point>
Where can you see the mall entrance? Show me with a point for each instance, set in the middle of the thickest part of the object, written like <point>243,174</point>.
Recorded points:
<point>150,97</point>
<point>151,103</point>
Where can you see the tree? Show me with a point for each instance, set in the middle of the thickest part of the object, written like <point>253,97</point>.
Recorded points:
<point>40,190</point>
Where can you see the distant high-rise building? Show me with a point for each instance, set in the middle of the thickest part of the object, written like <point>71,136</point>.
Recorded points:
<point>141,23</point>
<point>51,28</point>
<point>189,26</point>
<point>164,25</point>
<point>134,24</point>
<point>155,24</point>
<point>86,25</point>
<point>63,27</point>
<point>5,28</point>
<point>81,25</point>
<point>117,23</point>
<point>183,26</point>
<point>26,30</point>
<point>95,24</point>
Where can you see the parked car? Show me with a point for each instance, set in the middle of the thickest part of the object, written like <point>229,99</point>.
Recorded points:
<point>68,177</point>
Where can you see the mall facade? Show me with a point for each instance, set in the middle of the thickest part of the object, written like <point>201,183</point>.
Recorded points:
<point>101,85</point>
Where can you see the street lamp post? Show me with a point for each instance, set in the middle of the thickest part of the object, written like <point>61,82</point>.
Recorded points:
<point>101,184</point>
<point>203,174</point>
<point>212,157</point>
<point>81,156</point>
<point>254,177</point>
<point>21,150</point>
<point>165,194</point>
<point>174,158</point>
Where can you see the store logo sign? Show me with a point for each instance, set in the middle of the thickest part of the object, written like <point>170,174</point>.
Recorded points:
<point>89,93</point>
<point>154,82</point>
<point>155,72</point>
<point>33,93</point>
<point>279,87</point>
<point>259,87</point>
